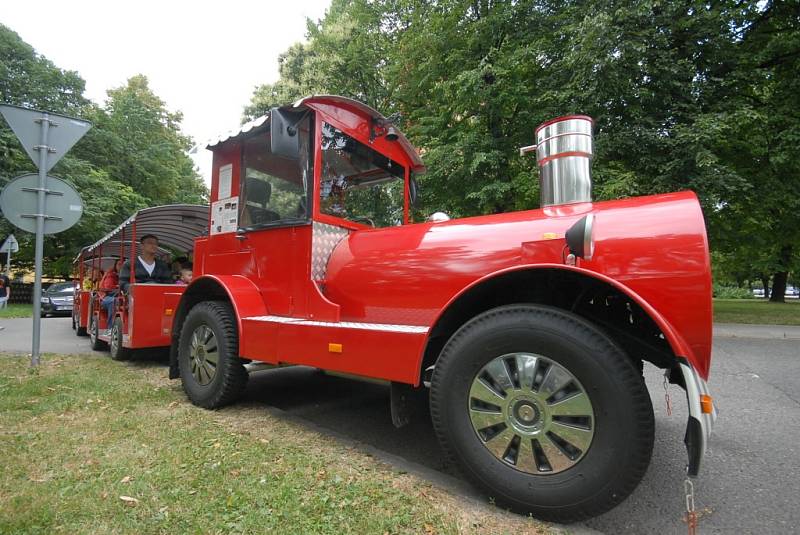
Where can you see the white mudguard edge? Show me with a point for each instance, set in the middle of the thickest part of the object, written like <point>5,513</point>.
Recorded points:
<point>698,432</point>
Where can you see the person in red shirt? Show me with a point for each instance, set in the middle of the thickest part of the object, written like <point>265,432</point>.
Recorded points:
<point>109,285</point>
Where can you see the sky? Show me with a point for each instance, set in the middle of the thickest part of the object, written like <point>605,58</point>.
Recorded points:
<point>202,58</point>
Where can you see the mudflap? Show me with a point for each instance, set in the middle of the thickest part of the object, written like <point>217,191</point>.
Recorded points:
<point>406,403</point>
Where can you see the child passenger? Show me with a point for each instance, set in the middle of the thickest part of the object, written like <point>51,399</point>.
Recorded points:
<point>185,276</point>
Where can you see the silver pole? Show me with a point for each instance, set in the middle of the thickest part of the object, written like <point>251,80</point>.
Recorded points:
<point>8,264</point>
<point>40,214</point>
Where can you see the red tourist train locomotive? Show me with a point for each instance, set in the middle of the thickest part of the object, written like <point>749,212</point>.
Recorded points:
<point>529,328</point>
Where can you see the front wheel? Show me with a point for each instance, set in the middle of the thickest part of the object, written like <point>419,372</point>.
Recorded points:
<point>208,356</point>
<point>544,411</point>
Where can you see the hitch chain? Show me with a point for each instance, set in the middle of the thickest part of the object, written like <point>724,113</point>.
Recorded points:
<point>691,514</point>
<point>666,394</point>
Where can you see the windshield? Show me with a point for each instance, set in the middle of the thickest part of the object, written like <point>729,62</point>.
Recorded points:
<point>358,183</point>
<point>61,288</point>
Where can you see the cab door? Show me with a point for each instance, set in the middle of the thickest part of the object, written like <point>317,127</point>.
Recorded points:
<point>260,222</point>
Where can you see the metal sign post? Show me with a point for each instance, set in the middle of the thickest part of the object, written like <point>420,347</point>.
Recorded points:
<point>29,125</point>
<point>39,248</point>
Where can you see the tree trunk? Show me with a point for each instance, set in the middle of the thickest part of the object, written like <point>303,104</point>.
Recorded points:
<point>778,286</point>
<point>765,283</point>
<point>779,278</point>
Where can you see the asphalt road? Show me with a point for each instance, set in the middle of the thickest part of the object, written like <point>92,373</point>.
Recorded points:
<point>750,481</point>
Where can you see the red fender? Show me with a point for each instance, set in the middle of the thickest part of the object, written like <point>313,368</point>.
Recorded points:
<point>675,340</point>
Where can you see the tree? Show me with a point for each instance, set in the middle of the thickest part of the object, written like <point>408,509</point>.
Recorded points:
<point>139,142</point>
<point>348,50</point>
<point>133,157</point>
<point>695,95</point>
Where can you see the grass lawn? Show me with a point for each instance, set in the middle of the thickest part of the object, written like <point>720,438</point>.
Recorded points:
<point>95,446</point>
<point>759,311</point>
<point>16,311</point>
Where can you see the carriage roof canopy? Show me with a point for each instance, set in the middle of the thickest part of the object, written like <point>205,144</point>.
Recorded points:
<point>176,226</point>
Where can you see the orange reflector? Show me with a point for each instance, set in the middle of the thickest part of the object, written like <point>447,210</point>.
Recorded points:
<point>549,236</point>
<point>334,348</point>
<point>168,312</point>
<point>706,404</point>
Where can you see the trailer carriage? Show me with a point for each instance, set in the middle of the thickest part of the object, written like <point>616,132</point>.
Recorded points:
<point>143,315</point>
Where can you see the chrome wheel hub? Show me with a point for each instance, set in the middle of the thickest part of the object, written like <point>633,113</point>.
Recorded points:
<point>203,355</point>
<point>531,413</point>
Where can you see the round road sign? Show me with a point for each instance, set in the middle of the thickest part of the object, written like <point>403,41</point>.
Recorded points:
<point>63,205</point>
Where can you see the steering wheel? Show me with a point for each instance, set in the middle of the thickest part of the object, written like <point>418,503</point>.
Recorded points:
<point>365,220</point>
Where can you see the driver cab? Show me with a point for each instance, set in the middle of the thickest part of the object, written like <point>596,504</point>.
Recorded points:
<point>289,186</point>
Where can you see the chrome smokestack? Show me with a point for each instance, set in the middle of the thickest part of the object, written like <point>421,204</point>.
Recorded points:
<point>564,150</point>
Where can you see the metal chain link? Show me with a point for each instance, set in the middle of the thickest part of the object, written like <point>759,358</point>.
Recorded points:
<point>691,514</point>
<point>666,393</point>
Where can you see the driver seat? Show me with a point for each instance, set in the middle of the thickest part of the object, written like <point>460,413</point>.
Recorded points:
<point>259,193</point>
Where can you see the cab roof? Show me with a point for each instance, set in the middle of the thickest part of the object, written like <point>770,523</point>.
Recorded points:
<point>308,102</point>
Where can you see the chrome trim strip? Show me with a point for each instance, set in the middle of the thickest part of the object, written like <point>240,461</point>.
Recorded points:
<point>588,238</point>
<point>415,329</point>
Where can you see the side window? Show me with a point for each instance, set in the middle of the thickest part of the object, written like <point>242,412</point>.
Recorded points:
<point>358,183</point>
<point>273,188</point>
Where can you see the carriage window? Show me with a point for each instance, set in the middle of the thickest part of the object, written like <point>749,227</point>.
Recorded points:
<point>358,183</point>
<point>273,188</point>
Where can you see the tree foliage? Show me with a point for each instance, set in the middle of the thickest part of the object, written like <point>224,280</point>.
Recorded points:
<point>684,94</point>
<point>134,155</point>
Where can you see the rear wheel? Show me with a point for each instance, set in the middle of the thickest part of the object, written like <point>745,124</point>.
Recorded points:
<point>208,356</point>
<point>117,350</point>
<point>94,331</point>
<point>544,411</point>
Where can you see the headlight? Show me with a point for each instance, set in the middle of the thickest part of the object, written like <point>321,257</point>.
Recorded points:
<point>580,239</point>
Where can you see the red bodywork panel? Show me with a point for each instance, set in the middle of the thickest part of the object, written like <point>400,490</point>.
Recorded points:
<point>150,312</point>
<point>81,306</point>
<point>652,248</point>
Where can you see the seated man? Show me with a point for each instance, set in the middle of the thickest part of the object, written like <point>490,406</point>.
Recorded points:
<point>148,268</point>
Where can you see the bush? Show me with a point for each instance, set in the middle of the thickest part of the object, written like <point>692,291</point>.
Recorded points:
<point>732,292</point>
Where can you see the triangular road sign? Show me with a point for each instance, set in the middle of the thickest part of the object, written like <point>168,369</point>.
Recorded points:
<point>10,245</point>
<point>63,133</point>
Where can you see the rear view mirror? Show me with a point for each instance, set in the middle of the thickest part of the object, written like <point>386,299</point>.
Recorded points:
<point>413,191</point>
<point>284,139</point>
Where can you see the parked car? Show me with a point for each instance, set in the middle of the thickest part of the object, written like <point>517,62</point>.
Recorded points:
<point>791,292</point>
<point>57,299</point>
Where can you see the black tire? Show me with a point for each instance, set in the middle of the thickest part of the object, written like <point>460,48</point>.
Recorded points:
<point>76,322</point>
<point>621,424</point>
<point>94,330</point>
<point>117,350</point>
<point>213,323</point>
